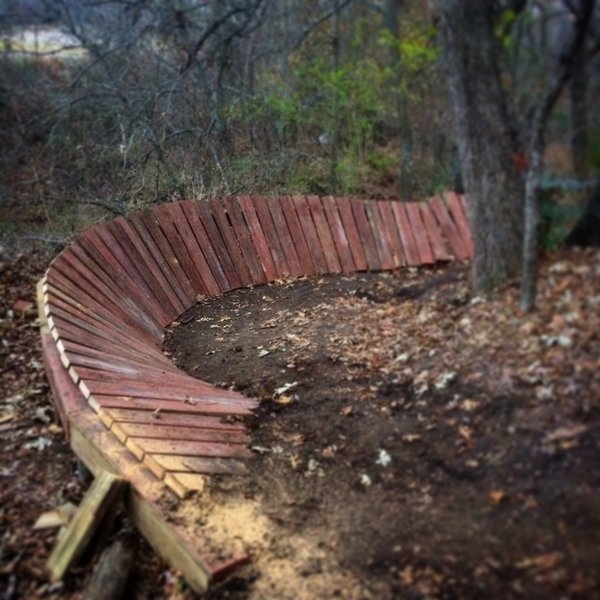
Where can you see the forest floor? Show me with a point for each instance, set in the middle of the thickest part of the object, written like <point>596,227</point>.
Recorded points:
<point>429,443</point>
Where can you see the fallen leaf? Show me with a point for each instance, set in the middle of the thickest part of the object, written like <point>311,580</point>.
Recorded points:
<point>565,433</point>
<point>496,496</point>
<point>542,562</point>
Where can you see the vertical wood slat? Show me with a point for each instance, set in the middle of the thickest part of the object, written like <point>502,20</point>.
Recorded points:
<point>406,234</point>
<point>155,250</point>
<point>275,206</point>
<point>436,238</point>
<point>299,241</point>
<point>126,272</point>
<point>324,234</point>
<point>136,247</point>
<point>338,234</point>
<point>310,234</point>
<point>258,237</point>
<point>68,272</point>
<point>217,242</point>
<point>391,230</point>
<point>379,235</point>
<point>366,235</point>
<point>265,219</point>
<point>150,222</point>
<point>229,236</point>
<point>204,244</point>
<point>195,252</point>
<point>355,241</point>
<point>245,239</point>
<point>420,233</point>
<point>165,219</point>
<point>440,210</point>
<point>460,218</point>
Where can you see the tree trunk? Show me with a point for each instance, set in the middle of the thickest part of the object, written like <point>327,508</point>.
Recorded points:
<point>578,110</point>
<point>486,144</point>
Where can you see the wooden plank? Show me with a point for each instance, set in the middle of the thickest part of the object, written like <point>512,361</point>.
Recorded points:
<point>168,418</point>
<point>245,240</point>
<point>285,237</point>
<point>197,464</point>
<point>393,236</point>
<point>159,302</point>
<point>162,254</point>
<point>218,243</point>
<point>436,238</point>
<point>119,366</point>
<point>159,430</point>
<point>382,242</point>
<point>189,448</point>
<point>366,234</point>
<point>205,245</point>
<point>146,262</point>
<point>299,242</point>
<point>104,491</point>
<point>257,234</point>
<point>449,229</point>
<point>166,220</point>
<point>406,234</point>
<point>419,233</point>
<point>269,229</point>
<point>338,234</point>
<point>324,233</point>
<point>96,247</point>
<point>460,218</point>
<point>310,234</point>
<point>101,401</point>
<point>149,220</point>
<point>355,241</point>
<point>229,236</point>
<point>199,262</point>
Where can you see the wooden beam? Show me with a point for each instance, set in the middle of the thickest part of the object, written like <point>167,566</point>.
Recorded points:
<point>103,493</point>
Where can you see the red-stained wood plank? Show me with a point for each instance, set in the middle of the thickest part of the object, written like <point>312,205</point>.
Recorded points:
<point>218,243</point>
<point>409,245</point>
<point>434,232</point>
<point>285,236</point>
<point>391,231</point>
<point>366,234</point>
<point>460,218</point>
<point>263,213</point>
<point>165,216</point>
<point>419,233</point>
<point>195,464</point>
<point>356,244</point>
<point>449,229</point>
<point>126,367</point>
<point>324,233</point>
<point>244,237</point>
<point>83,270</point>
<point>382,241</point>
<point>60,286</point>
<point>338,233</point>
<point>310,234</point>
<point>161,251</point>
<point>206,246</point>
<point>229,236</point>
<point>67,397</point>
<point>136,248</point>
<point>195,252</point>
<point>300,243</point>
<point>158,303</point>
<point>191,448</point>
<point>160,430</point>
<point>257,234</point>
<point>149,219</point>
<point>121,415</point>
<point>95,247</point>
<point>126,401</point>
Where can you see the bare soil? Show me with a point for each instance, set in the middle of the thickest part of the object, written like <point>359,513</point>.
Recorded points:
<point>412,440</point>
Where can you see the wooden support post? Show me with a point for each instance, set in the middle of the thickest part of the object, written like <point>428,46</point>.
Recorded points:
<point>103,493</point>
